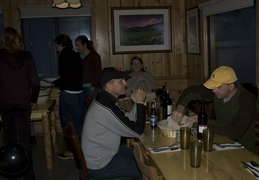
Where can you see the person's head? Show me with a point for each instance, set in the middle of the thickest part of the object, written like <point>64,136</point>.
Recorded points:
<point>136,64</point>
<point>62,41</point>
<point>82,44</point>
<point>113,81</point>
<point>11,40</point>
<point>222,82</point>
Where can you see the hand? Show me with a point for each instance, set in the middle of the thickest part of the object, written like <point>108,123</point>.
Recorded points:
<point>138,96</point>
<point>178,113</point>
<point>185,119</point>
<point>92,88</point>
<point>141,78</point>
<point>33,105</point>
<point>192,119</point>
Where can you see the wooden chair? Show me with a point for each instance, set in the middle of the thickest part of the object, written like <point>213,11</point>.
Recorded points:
<point>72,140</point>
<point>148,172</point>
<point>88,101</point>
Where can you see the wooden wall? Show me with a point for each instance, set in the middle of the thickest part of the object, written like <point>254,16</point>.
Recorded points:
<point>177,68</point>
<point>169,68</point>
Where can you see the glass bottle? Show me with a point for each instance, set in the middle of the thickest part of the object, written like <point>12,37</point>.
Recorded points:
<point>163,104</point>
<point>169,104</point>
<point>153,115</point>
<point>202,120</point>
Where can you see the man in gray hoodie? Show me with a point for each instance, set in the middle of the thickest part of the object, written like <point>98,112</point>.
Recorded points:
<point>105,124</point>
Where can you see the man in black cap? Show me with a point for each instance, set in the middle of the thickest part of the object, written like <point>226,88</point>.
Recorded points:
<point>105,124</point>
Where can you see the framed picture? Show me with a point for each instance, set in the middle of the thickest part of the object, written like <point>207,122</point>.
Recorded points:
<point>141,29</point>
<point>193,31</point>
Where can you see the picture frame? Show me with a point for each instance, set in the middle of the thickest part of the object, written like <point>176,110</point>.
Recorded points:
<point>141,29</point>
<point>193,30</point>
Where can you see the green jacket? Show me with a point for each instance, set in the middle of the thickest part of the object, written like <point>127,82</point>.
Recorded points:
<point>234,119</point>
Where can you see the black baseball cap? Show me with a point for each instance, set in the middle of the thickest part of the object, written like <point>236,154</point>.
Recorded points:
<point>110,73</point>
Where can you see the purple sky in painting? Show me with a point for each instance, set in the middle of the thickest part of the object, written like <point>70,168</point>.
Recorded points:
<point>139,20</point>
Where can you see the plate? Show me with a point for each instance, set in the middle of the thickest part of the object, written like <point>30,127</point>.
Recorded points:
<point>40,75</point>
<point>50,79</point>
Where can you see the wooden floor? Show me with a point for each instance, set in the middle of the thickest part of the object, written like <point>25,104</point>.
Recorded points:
<point>62,170</point>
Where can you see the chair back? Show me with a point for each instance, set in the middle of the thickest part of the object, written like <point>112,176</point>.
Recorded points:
<point>148,172</point>
<point>72,140</point>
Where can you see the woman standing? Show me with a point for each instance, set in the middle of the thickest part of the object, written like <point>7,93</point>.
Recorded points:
<point>139,77</point>
<point>19,90</point>
<point>92,66</point>
<point>71,101</point>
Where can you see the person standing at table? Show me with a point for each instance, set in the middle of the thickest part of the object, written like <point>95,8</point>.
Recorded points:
<point>105,124</point>
<point>32,138</point>
<point>19,90</point>
<point>139,77</point>
<point>92,66</point>
<point>71,101</point>
<point>235,108</point>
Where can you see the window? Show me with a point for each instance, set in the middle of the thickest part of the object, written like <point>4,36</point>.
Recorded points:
<point>232,42</point>
<point>40,26</point>
<point>39,35</point>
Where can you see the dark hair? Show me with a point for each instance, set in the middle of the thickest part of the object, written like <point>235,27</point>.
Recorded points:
<point>11,40</point>
<point>140,60</point>
<point>84,40</point>
<point>64,41</point>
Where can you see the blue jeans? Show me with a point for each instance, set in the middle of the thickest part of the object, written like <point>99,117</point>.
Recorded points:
<point>122,165</point>
<point>72,108</point>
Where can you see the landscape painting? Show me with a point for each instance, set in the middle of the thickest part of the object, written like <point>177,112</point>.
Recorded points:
<point>141,30</point>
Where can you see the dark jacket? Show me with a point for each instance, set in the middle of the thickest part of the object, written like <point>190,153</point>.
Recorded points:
<point>234,119</point>
<point>19,82</point>
<point>92,68</point>
<point>70,71</point>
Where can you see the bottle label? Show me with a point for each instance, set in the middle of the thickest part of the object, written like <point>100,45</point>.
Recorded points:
<point>153,120</point>
<point>169,110</point>
<point>202,127</point>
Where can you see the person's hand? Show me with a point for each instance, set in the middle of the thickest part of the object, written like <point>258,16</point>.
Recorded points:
<point>192,119</point>
<point>138,95</point>
<point>33,105</point>
<point>187,120</point>
<point>178,113</point>
<point>141,78</point>
<point>92,88</point>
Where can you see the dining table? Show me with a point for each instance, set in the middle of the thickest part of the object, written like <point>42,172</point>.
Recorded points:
<point>215,165</point>
<point>45,113</point>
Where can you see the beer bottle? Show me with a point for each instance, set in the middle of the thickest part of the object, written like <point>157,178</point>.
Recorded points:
<point>169,104</point>
<point>163,104</point>
<point>153,115</point>
<point>202,120</point>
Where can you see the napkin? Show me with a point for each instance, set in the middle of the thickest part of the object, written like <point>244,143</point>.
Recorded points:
<point>163,149</point>
<point>226,146</point>
<point>252,169</point>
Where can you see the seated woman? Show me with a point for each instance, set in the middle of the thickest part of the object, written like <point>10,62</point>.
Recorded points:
<point>139,77</point>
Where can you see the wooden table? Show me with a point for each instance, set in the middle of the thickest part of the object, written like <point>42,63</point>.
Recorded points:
<point>46,114</point>
<point>220,165</point>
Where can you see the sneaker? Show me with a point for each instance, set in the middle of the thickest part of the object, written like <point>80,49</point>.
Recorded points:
<point>66,155</point>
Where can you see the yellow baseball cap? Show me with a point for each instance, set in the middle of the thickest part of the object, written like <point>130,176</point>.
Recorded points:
<point>222,75</point>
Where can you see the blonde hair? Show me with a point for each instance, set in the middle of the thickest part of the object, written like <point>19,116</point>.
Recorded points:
<point>11,40</point>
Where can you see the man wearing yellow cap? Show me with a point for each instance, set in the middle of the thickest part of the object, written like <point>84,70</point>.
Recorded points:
<point>234,107</point>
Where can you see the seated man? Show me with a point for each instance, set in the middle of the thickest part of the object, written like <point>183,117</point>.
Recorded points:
<point>235,108</point>
<point>105,124</point>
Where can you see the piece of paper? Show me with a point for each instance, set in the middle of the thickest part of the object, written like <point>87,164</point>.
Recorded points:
<point>227,146</point>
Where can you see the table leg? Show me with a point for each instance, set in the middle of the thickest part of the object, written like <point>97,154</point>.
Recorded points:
<point>53,131</point>
<point>47,140</point>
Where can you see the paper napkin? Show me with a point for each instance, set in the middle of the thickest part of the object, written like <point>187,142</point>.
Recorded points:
<point>227,146</point>
<point>252,169</point>
<point>165,149</point>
